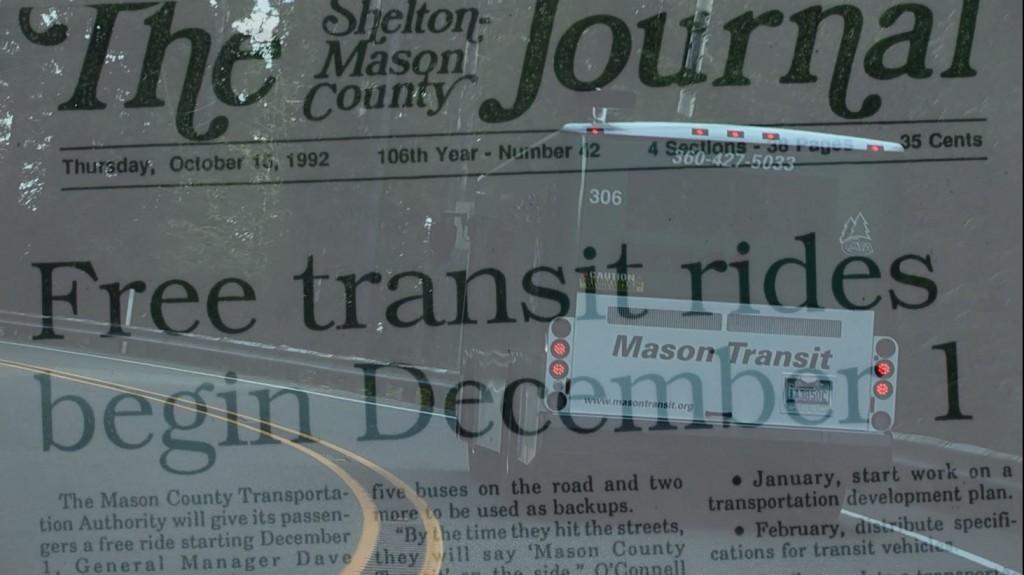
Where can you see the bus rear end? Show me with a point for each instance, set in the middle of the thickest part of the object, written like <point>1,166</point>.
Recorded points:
<point>652,362</point>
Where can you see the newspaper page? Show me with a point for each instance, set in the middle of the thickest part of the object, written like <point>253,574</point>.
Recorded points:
<point>510,287</point>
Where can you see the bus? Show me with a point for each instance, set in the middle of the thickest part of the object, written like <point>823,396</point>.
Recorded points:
<point>673,275</point>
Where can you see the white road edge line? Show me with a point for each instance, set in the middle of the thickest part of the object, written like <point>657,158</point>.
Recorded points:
<point>936,543</point>
<point>215,376</point>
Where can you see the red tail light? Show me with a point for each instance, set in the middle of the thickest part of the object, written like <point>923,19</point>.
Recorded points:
<point>770,136</point>
<point>883,389</point>
<point>884,375</point>
<point>884,368</point>
<point>734,134</point>
<point>559,348</point>
<point>558,369</point>
<point>699,131</point>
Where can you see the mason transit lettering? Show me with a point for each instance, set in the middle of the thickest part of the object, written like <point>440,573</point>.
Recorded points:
<point>738,353</point>
<point>635,347</point>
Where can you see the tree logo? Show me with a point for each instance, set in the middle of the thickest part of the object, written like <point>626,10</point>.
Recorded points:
<point>855,238</point>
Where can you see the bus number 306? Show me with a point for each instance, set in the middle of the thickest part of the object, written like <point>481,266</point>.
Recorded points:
<point>606,197</point>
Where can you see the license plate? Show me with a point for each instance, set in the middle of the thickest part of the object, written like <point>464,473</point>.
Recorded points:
<point>807,394</point>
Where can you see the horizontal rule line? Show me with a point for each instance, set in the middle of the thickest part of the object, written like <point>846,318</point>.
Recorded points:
<point>888,122</point>
<point>464,134</point>
<point>299,140</point>
<point>477,175</point>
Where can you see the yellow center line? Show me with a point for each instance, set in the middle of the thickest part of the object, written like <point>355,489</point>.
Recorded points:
<point>371,528</point>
